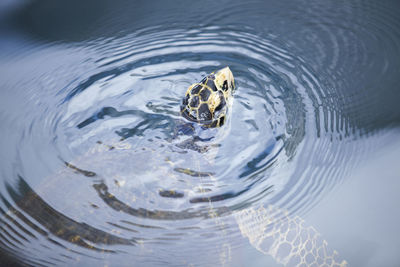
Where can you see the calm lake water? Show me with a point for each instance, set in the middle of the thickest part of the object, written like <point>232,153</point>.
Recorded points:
<point>305,171</point>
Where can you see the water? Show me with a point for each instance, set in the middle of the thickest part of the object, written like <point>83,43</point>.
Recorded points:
<point>316,98</point>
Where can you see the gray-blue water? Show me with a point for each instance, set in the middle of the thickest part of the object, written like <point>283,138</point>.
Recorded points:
<point>305,171</point>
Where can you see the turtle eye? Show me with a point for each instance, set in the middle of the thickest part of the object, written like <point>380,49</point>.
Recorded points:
<point>225,85</point>
<point>221,121</point>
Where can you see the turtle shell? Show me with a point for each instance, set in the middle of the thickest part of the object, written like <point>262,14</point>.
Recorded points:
<point>205,103</point>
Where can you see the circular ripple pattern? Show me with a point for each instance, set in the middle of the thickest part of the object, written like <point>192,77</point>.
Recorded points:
<point>124,168</point>
<point>99,172</point>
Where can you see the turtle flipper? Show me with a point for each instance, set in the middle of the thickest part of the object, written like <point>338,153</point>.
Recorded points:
<point>192,145</point>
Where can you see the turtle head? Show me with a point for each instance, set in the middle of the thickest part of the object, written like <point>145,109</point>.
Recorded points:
<point>208,101</point>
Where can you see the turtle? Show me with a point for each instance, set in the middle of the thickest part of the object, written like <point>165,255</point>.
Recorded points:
<point>181,171</point>
<point>208,101</point>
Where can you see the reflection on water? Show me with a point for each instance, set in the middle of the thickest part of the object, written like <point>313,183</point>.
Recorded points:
<point>96,168</point>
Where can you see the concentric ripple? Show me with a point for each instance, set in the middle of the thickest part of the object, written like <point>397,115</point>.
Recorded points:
<point>101,172</point>
<point>124,170</point>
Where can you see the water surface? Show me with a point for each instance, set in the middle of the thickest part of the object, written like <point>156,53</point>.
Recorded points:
<point>92,169</point>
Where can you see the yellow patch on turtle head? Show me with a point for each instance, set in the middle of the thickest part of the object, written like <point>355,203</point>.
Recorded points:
<point>213,102</point>
<point>225,76</point>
